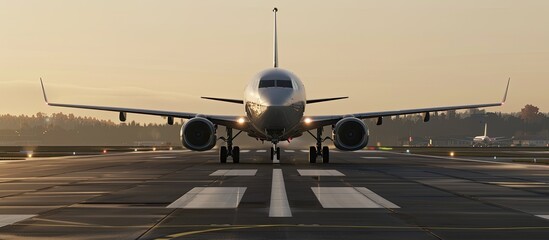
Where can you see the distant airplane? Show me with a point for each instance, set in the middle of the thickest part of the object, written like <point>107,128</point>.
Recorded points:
<point>274,102</point>
<point>485,141</point>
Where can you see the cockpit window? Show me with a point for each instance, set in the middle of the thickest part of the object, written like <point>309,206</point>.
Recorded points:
<point>284,83</point>
<point>266,83</point>
<point>275,83</point>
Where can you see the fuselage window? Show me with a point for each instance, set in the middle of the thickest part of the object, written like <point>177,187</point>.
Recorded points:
<point>275,83</point>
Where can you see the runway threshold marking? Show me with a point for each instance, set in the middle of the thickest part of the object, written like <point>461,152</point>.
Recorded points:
<point>319,172</point>
<point>234,172</point>
<point>289,151</point>
<point>244,151</point>
<point>261,151</point>
<point>210,198</point>
<point>279,200</point>
<point>350,197</point>
<point>8,219</point>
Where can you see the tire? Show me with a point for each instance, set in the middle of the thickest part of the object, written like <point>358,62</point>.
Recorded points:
<point>312,154</point>
<point>278,153</point>
<point>325,154</point>
<point>236,154</point>
<point>272,153</point>
<point>223,154</point>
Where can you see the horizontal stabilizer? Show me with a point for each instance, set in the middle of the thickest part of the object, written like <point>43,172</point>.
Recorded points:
<point>324,99</point>
<point>225,100</point>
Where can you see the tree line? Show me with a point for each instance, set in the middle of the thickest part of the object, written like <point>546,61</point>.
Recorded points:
<point>68,129</point>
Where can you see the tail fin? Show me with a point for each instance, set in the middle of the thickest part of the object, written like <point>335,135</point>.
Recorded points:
<point>486,129</point>
<point>275,48</point>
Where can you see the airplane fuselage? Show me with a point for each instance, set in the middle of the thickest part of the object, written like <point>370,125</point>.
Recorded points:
<point>275,101</point>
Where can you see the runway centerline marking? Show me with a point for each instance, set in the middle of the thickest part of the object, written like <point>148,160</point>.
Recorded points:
<point>543,216</point>
<point>210,198</point>
<point>374,157</point>
<point>8,219</point>
<point>261,151</point>
<point>279,200</point>
<point>164,157</point>
<point>319,172</point>
<point>234,172</point>
<point>350,197</point>
<point>244,151</point>
<point>289,151</point>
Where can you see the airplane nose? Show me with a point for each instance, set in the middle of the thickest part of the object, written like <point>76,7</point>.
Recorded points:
<point>276,98</point>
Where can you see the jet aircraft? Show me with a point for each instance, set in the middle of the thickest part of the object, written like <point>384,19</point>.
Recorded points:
<point>274,102</point>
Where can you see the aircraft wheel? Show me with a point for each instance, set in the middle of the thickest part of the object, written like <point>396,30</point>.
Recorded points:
<point>325,154</point>
<point>312,154</point>
<point>236,154</point>
<point>272,153</point>
<point>223,154</point>
<point>278,153</point>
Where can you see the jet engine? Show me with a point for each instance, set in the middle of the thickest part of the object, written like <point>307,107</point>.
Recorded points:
<point>350,134</point>
<point>198,134</point>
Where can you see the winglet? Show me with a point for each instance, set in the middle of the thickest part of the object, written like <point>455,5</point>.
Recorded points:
<point>44,91</point>
<point>506,90</point>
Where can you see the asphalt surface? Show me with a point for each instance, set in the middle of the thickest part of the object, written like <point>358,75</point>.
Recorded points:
<point>359,195</point>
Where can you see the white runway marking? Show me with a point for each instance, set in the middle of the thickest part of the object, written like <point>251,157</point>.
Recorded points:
<point>7,219</point>
<point>261,151</point>
<point>543,216</point>
<point>374,157</point>
<point>305,151</point>
<point>164,157</point>
<point>210,198</point>
<point>289,151</point>
<point>234,172</point>
<point>279,200</point>
<point>244,151</point>
<point>319,172</point>
<point>349,197</point>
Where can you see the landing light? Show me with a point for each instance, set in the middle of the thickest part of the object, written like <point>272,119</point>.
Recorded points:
<point>105,151</point>
<point>154,149</point>
<point>308,120</point>
<point>452,154</point>
<point>241,120</point>
<point>29,155</point>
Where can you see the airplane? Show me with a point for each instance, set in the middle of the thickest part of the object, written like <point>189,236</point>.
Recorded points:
<point>484,140</point>
<point>274,103</point>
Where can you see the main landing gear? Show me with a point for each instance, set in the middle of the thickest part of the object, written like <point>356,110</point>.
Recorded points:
<point>319,150</point>
<point>229,150</point>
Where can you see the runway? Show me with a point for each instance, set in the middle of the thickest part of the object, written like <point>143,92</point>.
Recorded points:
<point>189,195</point>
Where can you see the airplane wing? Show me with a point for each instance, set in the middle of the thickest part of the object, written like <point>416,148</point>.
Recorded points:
<point>319,121</point>
<point>236,122</point>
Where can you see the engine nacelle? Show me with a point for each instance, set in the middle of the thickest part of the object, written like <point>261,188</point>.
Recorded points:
<point>198,134</point>
<point>350,134</point>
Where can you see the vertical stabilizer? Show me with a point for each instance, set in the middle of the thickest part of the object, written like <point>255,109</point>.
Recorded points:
<point>275,41</point>
<point>486,129</point>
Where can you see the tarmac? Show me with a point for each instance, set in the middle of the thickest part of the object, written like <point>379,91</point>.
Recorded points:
<point>181,194</point>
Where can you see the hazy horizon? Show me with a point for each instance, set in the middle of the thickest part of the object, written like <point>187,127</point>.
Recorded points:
<point>384,55</point>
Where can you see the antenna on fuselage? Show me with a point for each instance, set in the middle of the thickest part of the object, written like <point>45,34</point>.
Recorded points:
<point>275,48</point>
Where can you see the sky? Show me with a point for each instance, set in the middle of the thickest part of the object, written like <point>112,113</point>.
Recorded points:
<point>384,55</point>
